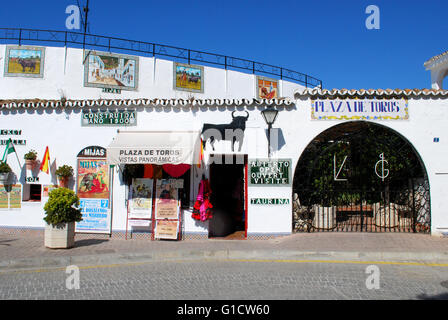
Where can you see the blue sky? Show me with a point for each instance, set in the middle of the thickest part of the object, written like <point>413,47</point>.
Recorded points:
<point>326,39</point>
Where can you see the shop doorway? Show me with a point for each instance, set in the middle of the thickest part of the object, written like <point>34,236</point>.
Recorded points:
<point>227,182</point>
<point>361,177</point>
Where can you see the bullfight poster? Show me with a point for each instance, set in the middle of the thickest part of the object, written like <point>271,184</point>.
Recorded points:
<point>92,186</point>
<point>140,199</point>
<point>167,200</point>
<point>93,178</point>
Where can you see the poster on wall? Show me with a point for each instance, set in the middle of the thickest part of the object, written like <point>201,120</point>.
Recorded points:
<point>46,189</point>
<point>166,229</point>
<point>24,61</point>
<point>15,197</point>
<point>4,199</point>
<point>267,88</point>
<point>96,216</point>
<point>112,71</point>
<point>92,186</point>
<point>140,199</point>
<point>10,197</point>
<point>167,201</point>
<point>188,77</point>
<point>93,178</point>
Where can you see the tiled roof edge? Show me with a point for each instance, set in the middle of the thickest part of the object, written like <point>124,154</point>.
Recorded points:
<point>87,103</point>
<point>387,93</point>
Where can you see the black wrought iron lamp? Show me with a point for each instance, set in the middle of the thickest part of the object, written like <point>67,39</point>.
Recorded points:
<point>269,115</point>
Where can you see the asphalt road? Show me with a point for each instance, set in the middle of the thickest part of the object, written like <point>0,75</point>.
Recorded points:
<point>231,279</point>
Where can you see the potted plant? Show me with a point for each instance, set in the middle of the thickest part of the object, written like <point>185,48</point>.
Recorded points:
<point>5,169</point>
<point>30,159</point>
<point>61,213</point>
<point>64,173</point>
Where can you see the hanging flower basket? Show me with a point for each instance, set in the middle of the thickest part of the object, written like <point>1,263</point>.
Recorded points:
<point>63,182</point>
<point>4,176</point>
<point>5,170</point>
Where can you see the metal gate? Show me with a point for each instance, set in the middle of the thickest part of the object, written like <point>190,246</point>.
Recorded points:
<point>361,177</point>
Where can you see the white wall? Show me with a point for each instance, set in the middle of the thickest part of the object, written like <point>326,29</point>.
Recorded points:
<point>62,132</point>
<point>64,73</point>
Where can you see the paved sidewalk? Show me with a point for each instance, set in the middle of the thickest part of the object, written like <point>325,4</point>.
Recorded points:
<point>26,249</point>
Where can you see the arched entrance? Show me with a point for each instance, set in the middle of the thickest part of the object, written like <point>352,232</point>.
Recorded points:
<point>363,177</point>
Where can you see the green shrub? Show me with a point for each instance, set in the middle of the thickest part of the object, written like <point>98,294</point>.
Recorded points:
<point>64,171</point>
<point>61,207</point>
<point>31,155</point>
<point>4,167</point>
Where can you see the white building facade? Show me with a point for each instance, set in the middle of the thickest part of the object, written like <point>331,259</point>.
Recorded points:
<point>52,111</point>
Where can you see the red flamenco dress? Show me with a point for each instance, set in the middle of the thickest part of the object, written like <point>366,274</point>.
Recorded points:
<point>202,209</point>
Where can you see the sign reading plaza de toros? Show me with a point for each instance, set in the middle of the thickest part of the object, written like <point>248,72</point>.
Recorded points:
<point>270,172</point>
<point>359,109</point>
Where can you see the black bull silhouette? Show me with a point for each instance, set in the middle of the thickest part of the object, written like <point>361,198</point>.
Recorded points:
<point>233,131</point>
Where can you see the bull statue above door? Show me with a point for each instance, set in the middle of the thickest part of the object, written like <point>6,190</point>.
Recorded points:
<point>233,131</point>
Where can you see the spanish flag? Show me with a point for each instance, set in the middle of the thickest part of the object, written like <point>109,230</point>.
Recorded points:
<point>201,156</point>
<point>45,165</point>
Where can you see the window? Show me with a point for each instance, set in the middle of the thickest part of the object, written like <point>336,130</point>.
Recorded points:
<point>32,192</point>
<point>138,171</point>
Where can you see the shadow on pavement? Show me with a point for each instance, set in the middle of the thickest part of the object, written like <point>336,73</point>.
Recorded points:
<point>89,242</point>
<point>5,242</point>
<point>442,296</point>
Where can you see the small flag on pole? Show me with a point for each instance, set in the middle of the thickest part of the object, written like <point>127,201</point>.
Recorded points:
<point>201,155</point>
<point>9,149</point>
<point>45,165</point>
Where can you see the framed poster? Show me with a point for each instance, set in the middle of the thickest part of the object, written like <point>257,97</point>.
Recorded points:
<point>188,77</point>
<point>167,200</point>
<point>24,61</point>
<point>267,88</point>
<point>4,199</point>
<point>46,189</point>
<point>93,178</point>
<point>15,197</point>
<point>140,199</point>
<point>166,229</point>
<point>96,216</point>
<point>113,71</point>
<point>11,196</point>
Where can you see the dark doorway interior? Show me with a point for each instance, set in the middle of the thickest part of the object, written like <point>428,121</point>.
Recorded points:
<point>227,184</point>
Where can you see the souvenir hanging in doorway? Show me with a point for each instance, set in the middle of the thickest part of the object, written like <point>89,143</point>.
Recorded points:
<point>202,209</point>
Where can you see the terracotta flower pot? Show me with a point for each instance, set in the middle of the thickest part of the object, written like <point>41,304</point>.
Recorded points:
<point>4,177</point>
<point>30,164</point>
<point>63,182</point>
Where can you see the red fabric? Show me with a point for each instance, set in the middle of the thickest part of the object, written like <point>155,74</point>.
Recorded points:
<point>202,209</point>
<point>176,170</point>
<point>148,172</point>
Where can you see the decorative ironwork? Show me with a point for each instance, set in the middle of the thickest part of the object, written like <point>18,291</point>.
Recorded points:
<point>90,41</point>
<point>368,195</point>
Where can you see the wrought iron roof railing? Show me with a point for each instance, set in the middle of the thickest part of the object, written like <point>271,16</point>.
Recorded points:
<point>90,41</point>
